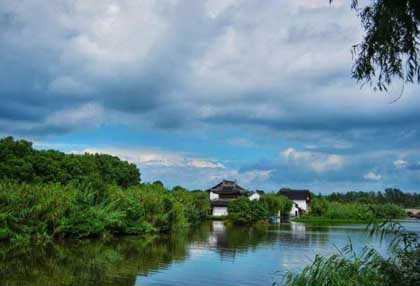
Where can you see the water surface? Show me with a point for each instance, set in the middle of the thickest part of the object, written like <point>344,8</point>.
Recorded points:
<point>212,254</point>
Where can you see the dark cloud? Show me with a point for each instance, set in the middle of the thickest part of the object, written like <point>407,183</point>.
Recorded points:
<point>281,69</point>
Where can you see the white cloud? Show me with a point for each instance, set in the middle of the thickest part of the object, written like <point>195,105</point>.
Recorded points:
<point>400,164</point>
<point>177,168</point>
<point>157,157</point>
<point>372,176</point>
<point>318,162</point>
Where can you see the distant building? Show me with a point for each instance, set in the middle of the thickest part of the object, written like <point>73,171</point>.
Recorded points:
<point>224,192</point>
<point>301,200</point>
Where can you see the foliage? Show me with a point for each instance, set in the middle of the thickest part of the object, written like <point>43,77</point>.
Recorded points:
<point>394,196</point>
<point>324,211</point>
<point>319,206</point>
<point>19,162</point>
<point>401,267</point>
<point>245,211</point>
<point>391,45</point>
<point>45,211</point>
<point>274,203</point>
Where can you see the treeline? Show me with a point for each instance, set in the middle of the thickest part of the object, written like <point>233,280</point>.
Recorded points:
<point>50,194</point>
<point>394,196</point>
<point>20,162</point>
<point>48,211</point>
<point>323,211</point>
<point>245,211</point>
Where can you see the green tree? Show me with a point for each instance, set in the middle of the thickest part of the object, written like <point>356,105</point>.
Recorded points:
<point>319,206</point>
<point>391,45</point>
<point>244,211</point>
<point>274,203</point>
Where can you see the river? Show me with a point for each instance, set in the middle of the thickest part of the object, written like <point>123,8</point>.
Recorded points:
<point>212,254</point>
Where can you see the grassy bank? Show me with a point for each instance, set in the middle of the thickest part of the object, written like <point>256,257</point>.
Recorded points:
<point>328,221</point>
<point>323,212</point>
<point>52,211</point>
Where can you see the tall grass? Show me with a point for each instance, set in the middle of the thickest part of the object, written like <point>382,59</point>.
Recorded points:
<point>48,211</point>
<point>322,212</point>
<point>346,268</point>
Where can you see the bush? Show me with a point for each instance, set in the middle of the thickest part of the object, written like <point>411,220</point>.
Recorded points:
<point>319,206</point>
<point>274,203</point>
<point>322,210</point>
<point>244,211</point>
<point>91,209</point>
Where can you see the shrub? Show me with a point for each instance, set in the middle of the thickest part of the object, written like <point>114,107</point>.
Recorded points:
<point>322,209</point>
<point>244,211</point>
<point>319,206</point>
<point>92,209</point>
<point>274,203</point>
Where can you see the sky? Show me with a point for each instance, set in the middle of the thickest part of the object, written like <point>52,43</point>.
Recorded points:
<point>194,92</point>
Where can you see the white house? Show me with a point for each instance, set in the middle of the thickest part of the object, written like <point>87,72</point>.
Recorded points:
<point>226,191</point>
<point>301,200</point>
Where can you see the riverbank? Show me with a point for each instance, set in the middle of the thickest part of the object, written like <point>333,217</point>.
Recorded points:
<point>324,212</point>
<point>241,255</point>
<point>52,211</point>
<point>322,221</point>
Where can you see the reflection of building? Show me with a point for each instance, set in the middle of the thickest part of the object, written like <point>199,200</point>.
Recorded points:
<point>224,192</point>
<point>301,200</point>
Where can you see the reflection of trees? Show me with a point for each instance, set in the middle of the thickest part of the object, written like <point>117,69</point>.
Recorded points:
<point>229,240</point>
<point>116,262</point>
<point>299,234</point>
<point>120,261</point>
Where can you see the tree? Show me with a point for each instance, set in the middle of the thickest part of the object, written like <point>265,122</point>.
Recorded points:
<point>275,203</point>
<point>319,206</point>
<point>391,44</point>
<point>244,211</point>
<point>21,163</point>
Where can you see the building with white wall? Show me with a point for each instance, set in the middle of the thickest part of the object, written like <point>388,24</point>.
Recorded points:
<point>225,192</point>
<point>301,200</point>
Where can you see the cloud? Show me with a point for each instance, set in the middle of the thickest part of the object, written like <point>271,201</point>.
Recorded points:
<point>177,168</point>
<point>400,164</point>
<point>372,176</point>
<point>159,158</point>
<point>210,60</point>
<point>252,77</point>
<point>316,161</point>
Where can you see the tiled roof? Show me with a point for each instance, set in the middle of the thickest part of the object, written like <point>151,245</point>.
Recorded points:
<point>295,194</point>
<point>227,187</point>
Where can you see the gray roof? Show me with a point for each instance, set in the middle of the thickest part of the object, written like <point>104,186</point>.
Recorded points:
<point>228,187</point>
<point>295,194</point>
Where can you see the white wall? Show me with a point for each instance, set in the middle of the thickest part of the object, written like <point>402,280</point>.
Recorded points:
<point>254,196</point>
<point>301,203</point>
<point>220,211</point>
<point>213,196</point>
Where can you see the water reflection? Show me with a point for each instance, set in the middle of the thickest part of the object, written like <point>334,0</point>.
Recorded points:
<point>213,254</point>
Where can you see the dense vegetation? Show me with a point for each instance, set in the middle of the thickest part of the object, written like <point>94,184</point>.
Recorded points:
<point>401,267</point>
<point>19,162</point>
<point>45,211</point>
<point>245,211</point>
<point>324,211</point>
<point>394,196</point>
